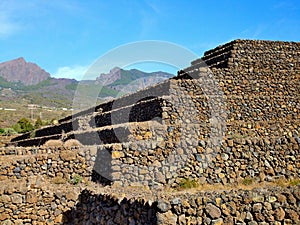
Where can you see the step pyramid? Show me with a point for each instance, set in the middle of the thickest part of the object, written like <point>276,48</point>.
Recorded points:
<point>233,114</point>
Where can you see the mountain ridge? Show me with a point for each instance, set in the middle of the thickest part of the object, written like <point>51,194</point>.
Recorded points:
<point>18,70</point>
<point>38,87</point>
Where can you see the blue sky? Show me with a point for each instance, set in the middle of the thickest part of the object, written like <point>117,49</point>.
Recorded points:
<point>65,36</point>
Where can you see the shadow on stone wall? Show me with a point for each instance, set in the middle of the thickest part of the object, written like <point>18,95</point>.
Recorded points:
<point>102,168</point>
<point>106,209</point>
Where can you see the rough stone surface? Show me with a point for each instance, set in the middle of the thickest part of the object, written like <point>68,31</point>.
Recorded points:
<point>164,136</point>
<point>213,211</point>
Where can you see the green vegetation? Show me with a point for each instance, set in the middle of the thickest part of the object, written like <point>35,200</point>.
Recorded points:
<point>295,182</point>
<point>248,181</point>
<point>23,125</point>
<point>8,132</point>
<point>91,90</point>
<point>54,100</point>
<point>42,84</point>
<point>6,84</point>
<point>283,182</point>
<point>76,179</point>
<point>19,86</point>
<point>38,123</point>
<point>32,134</point>
<point>127,76</point>
<point>72,87</point>
<point>188,183</point>
<point>107,92</point>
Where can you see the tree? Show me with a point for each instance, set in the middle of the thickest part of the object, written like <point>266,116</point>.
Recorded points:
<point>25,125</point>
<point>17,128</point>
<point>38,123</point>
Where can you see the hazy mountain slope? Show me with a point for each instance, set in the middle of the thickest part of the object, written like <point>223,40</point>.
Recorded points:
<point>27,81</point>
<point>132,80</point>
<point>23,83</point>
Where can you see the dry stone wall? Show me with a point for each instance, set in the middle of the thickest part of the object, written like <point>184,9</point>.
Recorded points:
<point>51,162</point>
<point>36,202</point>
<point>259,206</point>
<point>236,160</point>
<point>250,149</point>
<point>242,125</point>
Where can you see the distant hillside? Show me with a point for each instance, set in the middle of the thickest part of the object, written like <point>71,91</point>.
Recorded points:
<point>50,92</point>
<point>130,80</point>
<point>23,83</point>
<point>27,73</point>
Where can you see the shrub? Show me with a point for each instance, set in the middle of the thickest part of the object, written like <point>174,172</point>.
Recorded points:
<point>32,134</point>
<point>72,143</point>
<point>17,128</point>
<point>247,181</point>
<point>54,122</point>
<point>53,143</point>
<point>9,132</point>
<point>281,181</point>
<point>23,125</point>
<point>38,123</point>
<point>188,183</point>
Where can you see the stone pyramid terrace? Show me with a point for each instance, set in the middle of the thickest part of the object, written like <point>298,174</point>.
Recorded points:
<point>231,118</point>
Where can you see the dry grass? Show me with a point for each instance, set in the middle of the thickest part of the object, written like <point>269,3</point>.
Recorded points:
<point>294,182</point>
<point>282,182</point>
<point>58,180</point>
<point>72,143</point>
<point>53,143</point>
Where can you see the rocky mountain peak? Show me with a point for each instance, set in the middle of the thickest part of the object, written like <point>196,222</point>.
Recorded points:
<point>109,78</point>
<point>18,70</point>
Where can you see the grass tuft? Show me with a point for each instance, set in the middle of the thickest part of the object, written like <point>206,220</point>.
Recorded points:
<point>248,181</point>
<point>76,179</point>
<point>294,182</point>
<point>188,183</point>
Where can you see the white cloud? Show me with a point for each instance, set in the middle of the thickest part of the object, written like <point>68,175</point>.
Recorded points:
<point>7,27</point>
<point>73,72</point>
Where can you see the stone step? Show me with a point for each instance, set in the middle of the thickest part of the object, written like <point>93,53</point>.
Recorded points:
<point>142,111</point>
<point>150,130</point>
<point>38,141</point>
<point>148,93</point>
<point>280,75</point>
<point>117,133</point>
<point>64,127</point>
<point>220,49</point>
<point>217,57</point>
